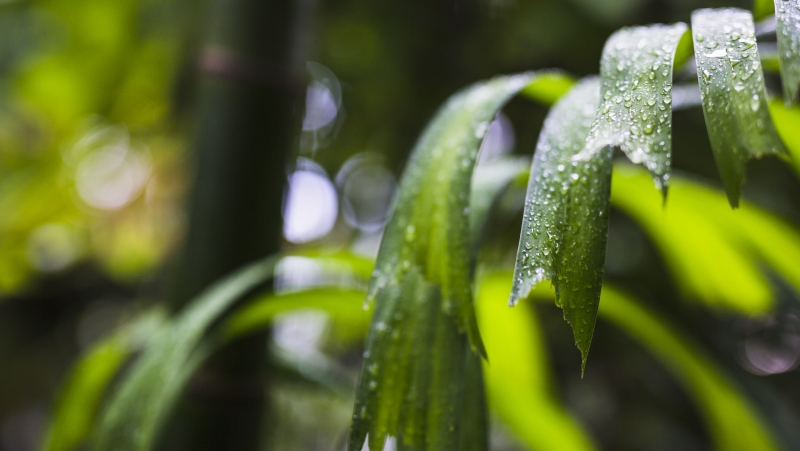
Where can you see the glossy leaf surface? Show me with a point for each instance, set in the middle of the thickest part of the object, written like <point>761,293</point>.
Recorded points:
<point>733,93</point>
<point>565,223</point>
<point>787,16</point>
<point>429,229</point>
<point>636,96</point>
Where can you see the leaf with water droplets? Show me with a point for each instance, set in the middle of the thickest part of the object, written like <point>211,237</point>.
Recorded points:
<point>565,224</point>
<point>787,16</point>
<point>636,105</point>
<point>430,225</point>
<point>733,93</point>
<point>415,374</point>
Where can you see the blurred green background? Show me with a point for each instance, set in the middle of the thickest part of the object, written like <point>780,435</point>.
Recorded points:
<point>98,116</point>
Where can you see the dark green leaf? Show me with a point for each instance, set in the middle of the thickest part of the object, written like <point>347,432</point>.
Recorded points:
<point>565,224</point>
<point>732,88</point>
<point>787,16</point>
<point>430,225</point>
<point>635,111</point>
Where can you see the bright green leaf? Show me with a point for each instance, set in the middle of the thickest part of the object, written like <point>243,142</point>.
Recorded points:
<point>565,224</point>
<point>518,380</point>
<point>787,16</point>
<point>547,88</point>
<point>787,123</point>
<point>732,88</point>
<point>720,261</point>
<point>82,394</point>
<point>636,107</point>
<point>763,8</point>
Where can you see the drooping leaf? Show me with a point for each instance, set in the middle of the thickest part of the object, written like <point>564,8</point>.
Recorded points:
<point>565,223</point>
<point>787,16</point>
<point>423,281</point>
<point>732,88</point>
<point>720,260</point>
<point>80,399</point>
<point>430,225</point>
<point>144,399</point>
<point>635,111</point>
<point>518,379</point>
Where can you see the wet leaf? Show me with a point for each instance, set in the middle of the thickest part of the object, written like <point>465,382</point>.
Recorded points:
<point>787,16</point>
<point>734,97</point>
<point>429,229</point>
<point>565,223</point>
<point>548,87</point>
<point>636,96</point>
<point>415,371</point>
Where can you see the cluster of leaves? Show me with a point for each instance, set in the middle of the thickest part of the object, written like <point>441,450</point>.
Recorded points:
<point>422,380</point>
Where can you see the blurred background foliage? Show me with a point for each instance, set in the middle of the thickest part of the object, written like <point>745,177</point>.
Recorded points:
<point>97,112</point>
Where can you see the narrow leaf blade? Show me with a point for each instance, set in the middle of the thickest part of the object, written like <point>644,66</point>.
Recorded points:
<point>636,106</point>
<point>787,16</point>
<point>733,93</point>
<point>565,223</point>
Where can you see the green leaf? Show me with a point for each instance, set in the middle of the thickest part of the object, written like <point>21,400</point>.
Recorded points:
<point>787,16</point>
<point>635,112</point>
<point>518,380</point>
<point>763,8</point>
<point>733,422</point>
<point>547,88</point>
<point>80,398</point>
<point>786,120</point>
<point>732,88</point>
<point>430,225</point>
<point>720,262</point>
<point>565,224</point>
<point>414,371</point>
<point>344,306</point>
<point>145,397</point>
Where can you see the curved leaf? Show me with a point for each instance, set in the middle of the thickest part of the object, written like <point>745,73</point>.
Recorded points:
<point>787,16</point>
<point>733,93</point>
<point>635,111</point>
<point>145,397</point>
<point>565,224</point>
<point>80,398</point>
<point>720,261</point>
<point>430,225</point>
